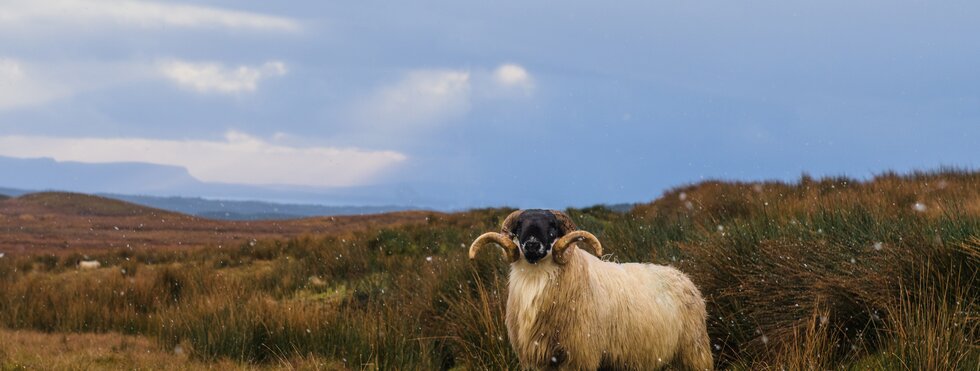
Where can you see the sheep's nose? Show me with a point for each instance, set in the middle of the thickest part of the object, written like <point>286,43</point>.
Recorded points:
<point>534,251</point>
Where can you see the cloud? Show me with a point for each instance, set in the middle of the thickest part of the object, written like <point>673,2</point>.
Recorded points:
<point>239,158</point>
<point>27,84</point>
<point>513,75</point>
<point>216,78</point>
<point>421,98</point>
<point>429,97</point>
<point>20,86</point>
<point>144,14</point>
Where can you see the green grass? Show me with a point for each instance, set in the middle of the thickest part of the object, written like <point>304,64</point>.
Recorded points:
<point>830,273</point>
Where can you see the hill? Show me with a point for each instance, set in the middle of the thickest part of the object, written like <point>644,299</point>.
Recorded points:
<point>918,193</point>
<point>59,221</point>
<point>818,274</point>
<point>249,210</point>
<point>49,174</point>
<point>12,192</point>
<point>230,209</point>
<point>77,204</point>
<point>112,179</point>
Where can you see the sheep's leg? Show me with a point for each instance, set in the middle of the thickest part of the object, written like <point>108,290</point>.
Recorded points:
<point>695,353</point>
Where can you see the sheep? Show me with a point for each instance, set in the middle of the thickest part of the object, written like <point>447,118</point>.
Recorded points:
<point>575,311</point>
<point>89,264</point>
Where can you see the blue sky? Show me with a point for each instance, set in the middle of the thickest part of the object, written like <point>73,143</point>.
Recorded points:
<point>506,103</point>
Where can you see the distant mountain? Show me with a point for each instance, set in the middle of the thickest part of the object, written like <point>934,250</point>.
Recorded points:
<point>13,192</point>
<point>48,174</point>
<point>174,188</point>
<point>45,174</point>
<point>156,186</point>
<point>621,208</point>
<point>249,210</point>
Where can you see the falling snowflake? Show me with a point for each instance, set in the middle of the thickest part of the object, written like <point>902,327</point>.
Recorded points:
<point>877,246</point>
<point>918,206</point>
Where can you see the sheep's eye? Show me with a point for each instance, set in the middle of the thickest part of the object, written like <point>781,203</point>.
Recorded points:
<point>552,232</point>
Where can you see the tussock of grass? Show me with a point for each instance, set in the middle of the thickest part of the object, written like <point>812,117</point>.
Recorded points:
<point>934,324</point>
<point>821,274</point>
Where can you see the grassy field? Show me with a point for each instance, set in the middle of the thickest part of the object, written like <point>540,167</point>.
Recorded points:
<point>823,273</point>
<point>53,223</point>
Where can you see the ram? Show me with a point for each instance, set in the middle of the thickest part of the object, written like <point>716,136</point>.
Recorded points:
<point>567,309</point>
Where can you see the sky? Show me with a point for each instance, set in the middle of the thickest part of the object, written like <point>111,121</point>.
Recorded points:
<point>467,104</point>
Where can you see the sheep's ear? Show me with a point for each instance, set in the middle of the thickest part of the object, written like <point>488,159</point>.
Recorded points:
<point>507,227</point>
<point>566,223</point>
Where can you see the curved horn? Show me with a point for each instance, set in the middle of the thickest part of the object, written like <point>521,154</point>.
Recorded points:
<point>561,246</point>
<point>567,225</point>
<point>508,245</point>
<point>508,225</point>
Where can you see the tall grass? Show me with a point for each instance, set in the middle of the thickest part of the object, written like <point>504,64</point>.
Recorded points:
<point>935,323</point>
<point>823,273</point>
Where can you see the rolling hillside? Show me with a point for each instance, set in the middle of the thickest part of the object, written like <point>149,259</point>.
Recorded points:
<point>249,210</point>
<point>53,221</point>
<point>230,209</point>
<point>828,273</point>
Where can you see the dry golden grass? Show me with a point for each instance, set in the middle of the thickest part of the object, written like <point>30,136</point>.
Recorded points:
<point>58,223</point>
<point>30,350</point>
<point>822,274</point>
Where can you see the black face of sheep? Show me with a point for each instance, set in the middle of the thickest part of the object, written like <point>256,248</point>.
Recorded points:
<point>533,234</point>
<point>536,231</point>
